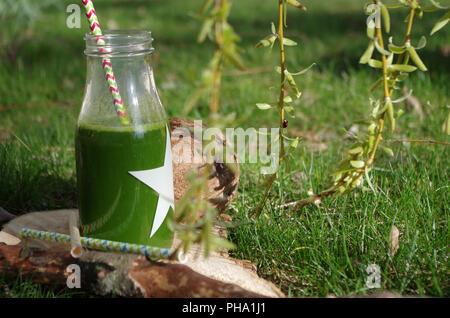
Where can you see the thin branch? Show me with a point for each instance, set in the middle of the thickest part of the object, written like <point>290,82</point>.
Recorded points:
<point>260,205</point>
<point>429,141</point>
<point>388,91</point>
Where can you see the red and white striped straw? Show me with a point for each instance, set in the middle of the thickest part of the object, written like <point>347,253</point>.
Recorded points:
<point>106,63</point>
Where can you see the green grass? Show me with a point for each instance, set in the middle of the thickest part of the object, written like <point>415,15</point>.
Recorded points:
<point>25,288</point>
<point>308,252</point>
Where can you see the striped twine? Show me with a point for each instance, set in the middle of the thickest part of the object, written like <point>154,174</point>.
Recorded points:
<point>100,244</point>
<point>106,63</point>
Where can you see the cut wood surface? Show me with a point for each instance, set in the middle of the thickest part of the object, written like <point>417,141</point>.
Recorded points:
<point>125,274</point>
<point>187,154</point>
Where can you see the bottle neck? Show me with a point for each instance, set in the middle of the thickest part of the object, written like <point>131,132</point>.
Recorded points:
<point>134,78</point>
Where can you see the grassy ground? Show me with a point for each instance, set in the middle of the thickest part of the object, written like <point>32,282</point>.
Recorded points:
<point>308,252</point>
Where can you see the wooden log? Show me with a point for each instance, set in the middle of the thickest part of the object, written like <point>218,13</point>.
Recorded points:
<point>125,275</point>
<point>107,273</point>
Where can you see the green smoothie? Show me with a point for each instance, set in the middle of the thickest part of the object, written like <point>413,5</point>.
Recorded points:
<point>113,204</point>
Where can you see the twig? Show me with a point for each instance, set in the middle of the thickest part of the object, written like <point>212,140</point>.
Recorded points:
<point>256,70</point>
<point>257,211</point>
<point>388,91</point>
<point>20,140</point>
<point>420,140</point>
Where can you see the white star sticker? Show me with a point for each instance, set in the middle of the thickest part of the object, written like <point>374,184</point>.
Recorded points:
<point>161,180</point>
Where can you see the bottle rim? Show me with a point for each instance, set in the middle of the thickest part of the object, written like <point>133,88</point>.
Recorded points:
<point>119,43</point>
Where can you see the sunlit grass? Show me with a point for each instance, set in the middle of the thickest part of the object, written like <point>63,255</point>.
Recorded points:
<point>314,251</point>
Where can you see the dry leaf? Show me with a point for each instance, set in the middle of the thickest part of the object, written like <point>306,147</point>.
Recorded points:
<point>393,240</point>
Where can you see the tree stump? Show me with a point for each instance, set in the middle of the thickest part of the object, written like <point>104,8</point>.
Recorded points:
<point>125,275</point>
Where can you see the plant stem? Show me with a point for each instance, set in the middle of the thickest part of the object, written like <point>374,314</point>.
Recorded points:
<point>429,141</point>
<point>379,35</point>
<point>407,39</point>
<point>201,193</point>
<point>217,73</point>
<point>388,91</point>
<point>282,77</point>
<point>260,205</point>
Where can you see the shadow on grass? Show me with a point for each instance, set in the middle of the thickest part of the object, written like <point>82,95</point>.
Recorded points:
<point>39,193</point>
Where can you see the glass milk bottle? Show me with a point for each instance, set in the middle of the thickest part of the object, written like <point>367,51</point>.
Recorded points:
<point>123,156</point>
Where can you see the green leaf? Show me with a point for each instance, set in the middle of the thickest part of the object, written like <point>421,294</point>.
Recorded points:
<point>376,84</point>
<point>386,18</point>
<point>394,6</point>
<point>193,99</point>
<point>388,151</point>
<point>438,5</point>
<point>416,59</point>
<point>389,59</point>
<point>294,143</point>
<point>206,4</point>
<point>296,4</point>
<point>272,28</point>
<point>356,150</point>
<point>403,98</point>
<point>375,63</point>
<point>304,71</point>
<point>287,99</point>
<point>441,23</point>
<point>422,43</point>
<point>357,164</point>
<point>401,77</point>
<point>263,106</point>
<point>366,174</point>
<point>368,53</point>
<point>292,83</point>
<point>289,110</point>
<point>390,113</point>
<point>234,57</point>
<point>289,42</point>
<point>429,9</point>
<point>396,49</point>
<point>205,30</point>
<point>220,242</point>
<point>402,68</point>
<point>371,29</point>
<point>229,36</point>
<point>267,41</point>
<point>380,49</point>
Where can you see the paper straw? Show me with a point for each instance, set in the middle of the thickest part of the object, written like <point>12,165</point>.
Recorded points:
<point>75,238</point>
<point>99,244</point>
<point>106,63</point>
